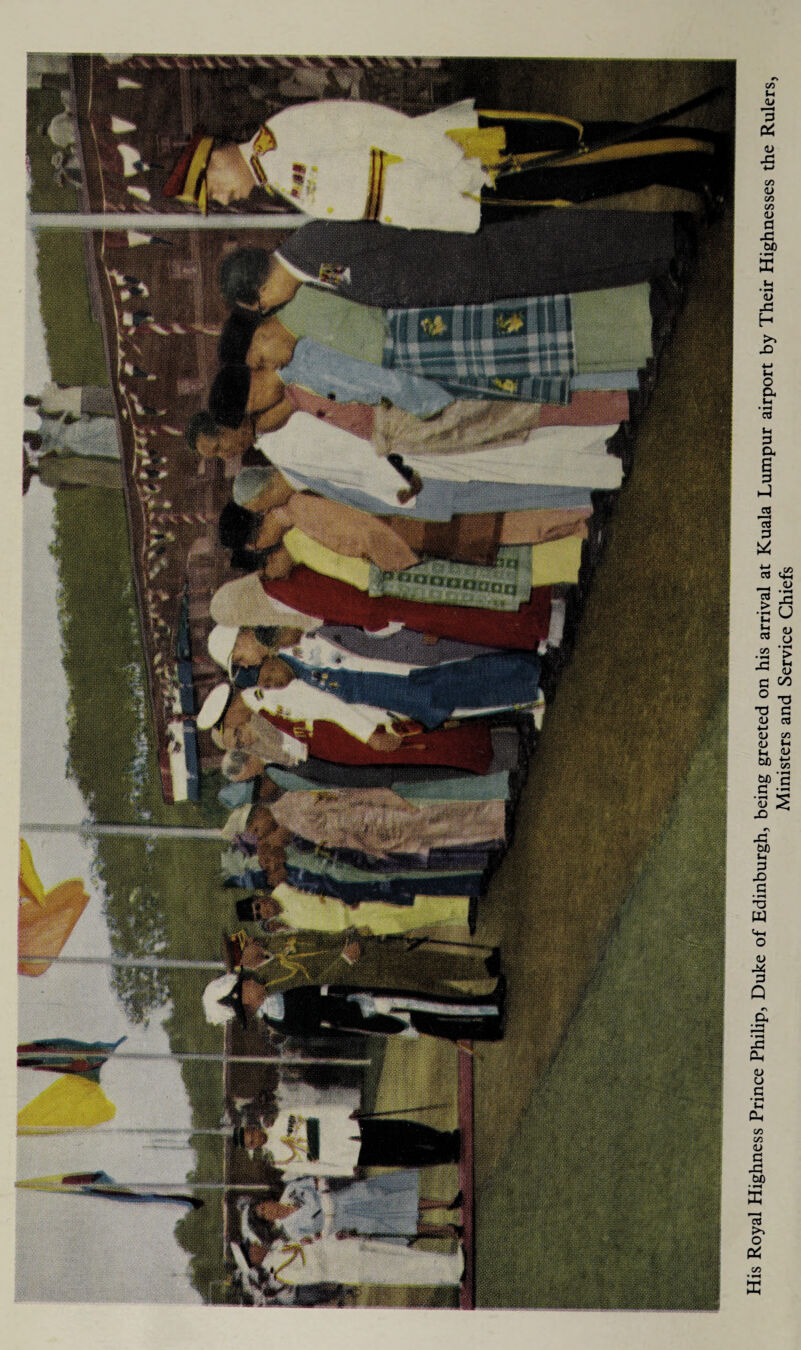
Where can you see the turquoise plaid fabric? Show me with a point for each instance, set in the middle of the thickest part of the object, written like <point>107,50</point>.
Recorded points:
<point>528,341</point>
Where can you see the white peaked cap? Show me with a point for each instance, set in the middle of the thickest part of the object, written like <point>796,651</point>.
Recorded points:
<point>221,644</point>
<point>214,706</point>
<point>219,1013</point>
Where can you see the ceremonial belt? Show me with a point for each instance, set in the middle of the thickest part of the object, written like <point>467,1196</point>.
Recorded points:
<point>604,155</point>
<point>294,1249</point>
<point>667,145</point>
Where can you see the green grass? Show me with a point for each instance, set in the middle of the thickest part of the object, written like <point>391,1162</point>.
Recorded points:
<point>608,1193</point>
<point>74,340</point>
<point>45,194</point>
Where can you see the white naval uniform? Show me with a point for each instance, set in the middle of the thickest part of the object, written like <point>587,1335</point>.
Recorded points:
<point>347,160</point>
<point>302,702</point>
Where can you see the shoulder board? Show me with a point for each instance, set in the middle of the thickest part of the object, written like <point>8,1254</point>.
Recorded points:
<point>264,141</point>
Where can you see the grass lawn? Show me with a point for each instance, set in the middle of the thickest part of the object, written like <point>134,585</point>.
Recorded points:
<point>608,1193</point>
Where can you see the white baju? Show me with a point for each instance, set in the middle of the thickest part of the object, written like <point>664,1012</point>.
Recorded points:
<point>362,1261</point>
<point>308,446</point>
<point>348,160</point>
<point>558,456</point>
<point>561,456</point>
<point>339,1142</point>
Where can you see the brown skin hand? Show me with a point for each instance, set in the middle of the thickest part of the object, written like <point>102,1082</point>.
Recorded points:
<point>278,565</point>
<point>271,346</point>
<point>384,742</point>
<point>415,486</point>
<point>278,287</point>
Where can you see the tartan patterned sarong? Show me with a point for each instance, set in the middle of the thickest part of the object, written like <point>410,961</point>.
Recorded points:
<point>524,388</point>
<point>530,336</point>
<point>504,586</point>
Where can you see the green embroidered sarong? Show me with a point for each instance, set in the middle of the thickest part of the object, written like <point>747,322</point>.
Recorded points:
<point>504,586</point>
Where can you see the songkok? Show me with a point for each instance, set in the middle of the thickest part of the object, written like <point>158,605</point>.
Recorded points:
<point>229,394</point>
<point>249,482</point>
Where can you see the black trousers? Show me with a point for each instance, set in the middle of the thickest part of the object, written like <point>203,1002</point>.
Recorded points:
<point>405,1143</point>
<point>692,170</point>
<point>307,1010</point>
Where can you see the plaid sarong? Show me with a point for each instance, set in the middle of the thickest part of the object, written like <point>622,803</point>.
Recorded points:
<point>505,586</point>
<point>527,337</point>
<point>524,388</point>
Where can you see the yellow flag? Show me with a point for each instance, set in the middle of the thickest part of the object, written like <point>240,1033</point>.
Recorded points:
<point>52,1183</point>
<point>43,929</point>
<point>30,887</point>
<point>68,1104</point>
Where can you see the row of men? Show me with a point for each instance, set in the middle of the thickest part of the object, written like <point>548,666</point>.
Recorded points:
<point>320,553</point>
<point>431,412</point>
<point>301,680</point>
<point>297,675</point>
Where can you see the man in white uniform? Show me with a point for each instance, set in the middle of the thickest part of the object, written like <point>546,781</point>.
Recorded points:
<point>347,160</point>
<point>330,1141</point>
